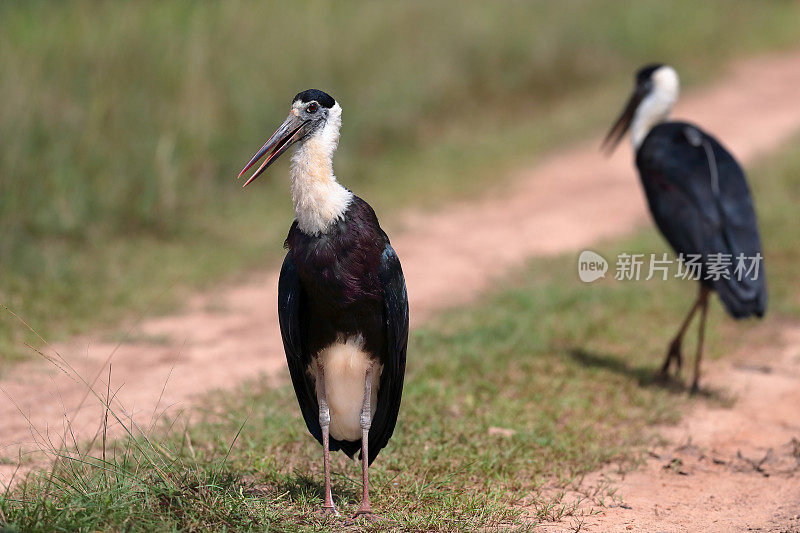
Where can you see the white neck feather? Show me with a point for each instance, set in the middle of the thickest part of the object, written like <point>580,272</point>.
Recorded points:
<point>656,106</point>
<point>319,200</point>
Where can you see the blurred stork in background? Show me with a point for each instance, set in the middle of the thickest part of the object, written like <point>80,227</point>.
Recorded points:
<point>699,198</point>
<point>342,301</point>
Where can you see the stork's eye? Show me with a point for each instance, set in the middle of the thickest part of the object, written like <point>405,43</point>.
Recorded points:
<point>312,107</point>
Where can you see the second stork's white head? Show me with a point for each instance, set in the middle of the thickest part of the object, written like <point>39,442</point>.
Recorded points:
<point>313,125</point>
<point>656,91</point>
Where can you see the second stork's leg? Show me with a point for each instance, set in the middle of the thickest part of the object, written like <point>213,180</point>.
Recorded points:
<point>325,422</point>
<point>674,353</point>
<point>700,334</point>
<point>366,422</point>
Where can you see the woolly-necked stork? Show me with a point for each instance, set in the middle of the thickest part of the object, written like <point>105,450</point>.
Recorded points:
<point>342,302</point>
<point>699,198</point>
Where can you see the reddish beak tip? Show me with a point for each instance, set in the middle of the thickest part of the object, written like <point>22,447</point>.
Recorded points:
<point>253,177</point>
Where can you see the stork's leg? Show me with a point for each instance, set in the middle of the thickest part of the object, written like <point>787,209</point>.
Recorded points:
<point>325,422</point>
<point>700,334</point>
<point>366,421</point>
<point>674,353</point>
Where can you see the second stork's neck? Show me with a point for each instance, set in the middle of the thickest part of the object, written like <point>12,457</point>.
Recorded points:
<point>656,107</point>
<point>319,200</point>
<point>648,115</point>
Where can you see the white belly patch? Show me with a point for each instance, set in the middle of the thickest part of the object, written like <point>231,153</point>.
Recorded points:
<point>345,365</point>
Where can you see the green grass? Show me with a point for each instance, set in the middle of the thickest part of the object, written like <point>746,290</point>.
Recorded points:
<point>562,368</point>
<point>123,124</point>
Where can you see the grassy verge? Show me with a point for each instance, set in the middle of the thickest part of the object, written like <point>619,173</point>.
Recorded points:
<point>123,124</point>
<point>539,383</point>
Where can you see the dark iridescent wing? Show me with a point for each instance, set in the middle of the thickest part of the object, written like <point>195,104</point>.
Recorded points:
<point>700,200</point>
<point>291,306</point>
<point>396,323</point>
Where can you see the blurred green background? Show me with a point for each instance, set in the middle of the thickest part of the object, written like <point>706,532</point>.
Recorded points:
<point>124,124</point>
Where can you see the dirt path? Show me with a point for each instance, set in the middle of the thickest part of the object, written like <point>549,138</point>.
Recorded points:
<point>569,201</point>
<point>723,469</point>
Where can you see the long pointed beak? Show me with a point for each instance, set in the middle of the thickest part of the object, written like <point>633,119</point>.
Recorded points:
<point>286,135</point>
<point>622,124</point>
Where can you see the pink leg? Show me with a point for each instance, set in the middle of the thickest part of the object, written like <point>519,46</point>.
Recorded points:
<point>700,335</point>
<point>674,352</point>
<point>366,422</point>
<point>325,421</point>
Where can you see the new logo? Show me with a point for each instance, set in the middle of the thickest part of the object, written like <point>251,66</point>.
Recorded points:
<point>591,266</point>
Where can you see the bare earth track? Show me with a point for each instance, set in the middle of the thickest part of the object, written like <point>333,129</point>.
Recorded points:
<point>722,469</point>
<point>559,205</point>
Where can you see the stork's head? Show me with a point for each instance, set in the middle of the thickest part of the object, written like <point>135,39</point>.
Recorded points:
<point>656,90</point>
<point>314,115</point>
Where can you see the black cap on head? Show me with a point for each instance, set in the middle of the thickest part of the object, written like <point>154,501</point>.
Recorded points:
<point>321,97</point>
<point>646,71</point>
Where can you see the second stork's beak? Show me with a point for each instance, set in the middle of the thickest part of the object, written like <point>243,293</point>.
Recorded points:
<point>622,124</point>
<point>292,130</point>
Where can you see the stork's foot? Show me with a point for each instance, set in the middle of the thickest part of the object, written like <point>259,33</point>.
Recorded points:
<point>695,388</point>
<point>674,354</point>
<point>325,512</point>
<point>367,515</point>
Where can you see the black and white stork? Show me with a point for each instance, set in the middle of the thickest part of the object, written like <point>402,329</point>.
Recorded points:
<point>699,198</point>
<point>342,302</point>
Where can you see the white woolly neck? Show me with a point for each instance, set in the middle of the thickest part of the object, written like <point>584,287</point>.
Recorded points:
<point>656,106</point>
<point>319,200</point>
